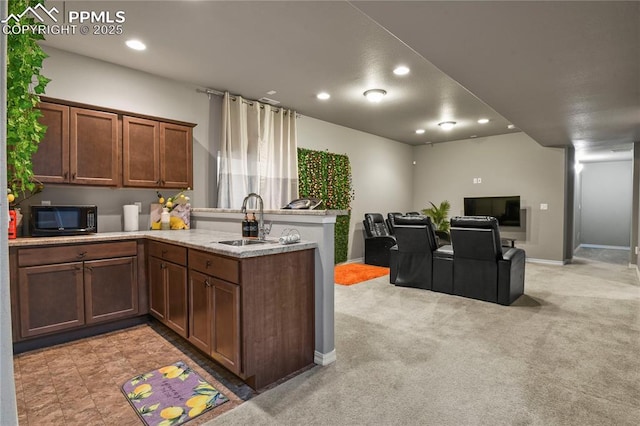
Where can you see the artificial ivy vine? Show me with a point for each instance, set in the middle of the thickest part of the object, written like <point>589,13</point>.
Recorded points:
<point>328,176</point>
<point>24,84</point>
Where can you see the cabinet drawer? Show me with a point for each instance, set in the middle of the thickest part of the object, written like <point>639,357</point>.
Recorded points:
<point>76,252</point>
<point>213,265</point>
<point>170,252</point>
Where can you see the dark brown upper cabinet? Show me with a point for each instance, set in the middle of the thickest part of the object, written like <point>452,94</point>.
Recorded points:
<point>156,154</point>
<point>90,145</point>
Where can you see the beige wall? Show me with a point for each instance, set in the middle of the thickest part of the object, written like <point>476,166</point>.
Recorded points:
<point>384,177</point>
<point>512,164</point>
<point>381,170</point>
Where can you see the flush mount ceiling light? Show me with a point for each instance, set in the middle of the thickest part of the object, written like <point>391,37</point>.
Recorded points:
<point>323,96</point>
<point>483,121</point>
<point>375,95</point>
<point>420,131</point>
<point>136,44</point>
<point>511,126</point>
<point>447,125</point>
<point>401,70</point>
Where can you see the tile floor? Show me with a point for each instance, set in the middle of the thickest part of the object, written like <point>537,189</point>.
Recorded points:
<point>78,383</point>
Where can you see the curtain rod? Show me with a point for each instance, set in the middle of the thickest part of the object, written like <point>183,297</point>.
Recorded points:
<point>215,92</point>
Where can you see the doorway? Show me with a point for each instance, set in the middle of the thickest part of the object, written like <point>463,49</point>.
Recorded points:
<point>604,207</point>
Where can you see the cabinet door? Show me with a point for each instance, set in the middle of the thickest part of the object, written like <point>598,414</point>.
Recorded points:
<point>177,306</point>
<point>157,290</point>
<point>111,289</point>
<point>51,161</point>
<point>225,345</point>
<point>200,303</point>
<point>51,298</point>
<point>94,147</point>
<point>141,152</point>
<point>176,144</point>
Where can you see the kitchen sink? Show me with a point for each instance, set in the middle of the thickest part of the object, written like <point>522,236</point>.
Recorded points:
<point>243,242</point>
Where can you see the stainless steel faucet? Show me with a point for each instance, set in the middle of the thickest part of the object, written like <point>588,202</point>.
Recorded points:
<point>261,233</point>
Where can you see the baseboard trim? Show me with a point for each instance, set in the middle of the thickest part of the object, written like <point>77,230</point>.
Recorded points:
<point>547,261</point>
<point>324,359</point>
<point>356,260</point>
<point>598,246</point>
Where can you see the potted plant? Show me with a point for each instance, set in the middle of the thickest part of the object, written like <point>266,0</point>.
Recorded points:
<point>440,217</point>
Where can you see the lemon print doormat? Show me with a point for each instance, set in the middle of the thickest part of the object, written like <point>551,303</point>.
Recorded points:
<point>171,395</point>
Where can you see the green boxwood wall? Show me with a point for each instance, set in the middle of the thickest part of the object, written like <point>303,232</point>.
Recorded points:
<point>327,176</point>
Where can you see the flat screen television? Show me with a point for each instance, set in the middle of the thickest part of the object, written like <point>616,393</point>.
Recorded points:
<point>505,209</point>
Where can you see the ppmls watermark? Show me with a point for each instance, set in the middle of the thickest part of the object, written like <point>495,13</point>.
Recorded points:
<point>77,22</point>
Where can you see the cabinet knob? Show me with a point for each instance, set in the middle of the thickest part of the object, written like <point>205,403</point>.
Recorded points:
<point>164,252</point>
<point>66,175</point>
<point>88,268</point>
<point>207,283</point>
<point>162,266</point>
<point>73,176</point>
<point>208,263</point>
<point>82,254</point>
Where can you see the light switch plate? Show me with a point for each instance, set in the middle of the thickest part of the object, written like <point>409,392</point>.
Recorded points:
<point>544,206</point>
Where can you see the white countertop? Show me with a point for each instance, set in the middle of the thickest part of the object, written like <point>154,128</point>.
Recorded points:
<point>200,239</point>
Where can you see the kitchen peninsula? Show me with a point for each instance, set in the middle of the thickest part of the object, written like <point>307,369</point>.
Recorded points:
<point>250,308</point>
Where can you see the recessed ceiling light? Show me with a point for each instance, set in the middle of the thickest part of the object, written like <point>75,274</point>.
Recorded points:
<point>511,126</point>
<point>447,125</point>
<point>420,131</point>
<point>375,95</point>
<point>136,44</point>
<point>323,96</point>
<point>483,121</point>
<point>473,136</point>
<point>401,70</point>
<point>271,92</point>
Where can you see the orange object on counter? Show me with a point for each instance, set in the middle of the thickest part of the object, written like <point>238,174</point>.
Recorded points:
<point>13,230</point>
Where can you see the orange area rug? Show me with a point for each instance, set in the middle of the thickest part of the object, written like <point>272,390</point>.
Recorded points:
<point>354,273</point>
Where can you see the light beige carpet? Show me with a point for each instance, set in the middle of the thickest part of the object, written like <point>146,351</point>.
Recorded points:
<point>566,353</point>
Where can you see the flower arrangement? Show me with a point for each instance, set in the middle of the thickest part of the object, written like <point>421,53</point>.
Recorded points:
<point>177,206</point>
<point>171,202</point>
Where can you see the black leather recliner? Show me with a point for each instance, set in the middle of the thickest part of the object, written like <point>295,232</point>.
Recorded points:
<point>480,268</point>
<point>391,218</point>
<point>412,263</point>
<point>377,240</point>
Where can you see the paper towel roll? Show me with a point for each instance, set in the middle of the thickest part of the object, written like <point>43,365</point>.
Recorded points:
<point>130,217</point>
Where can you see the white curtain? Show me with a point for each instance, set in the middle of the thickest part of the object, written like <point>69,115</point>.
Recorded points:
<point>258,154</point>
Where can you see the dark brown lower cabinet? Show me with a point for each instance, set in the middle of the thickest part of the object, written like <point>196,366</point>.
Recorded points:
<point>79,287</point>
<point>51,298</point>
<point>168,285</point>
<point>253,315</point>
<point>109,289</point>
<point>214,318</point>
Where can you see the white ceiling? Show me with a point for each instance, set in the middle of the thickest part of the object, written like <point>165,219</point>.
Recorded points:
<point>562,72</point>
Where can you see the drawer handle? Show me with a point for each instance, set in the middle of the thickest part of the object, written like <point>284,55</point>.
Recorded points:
<point>162,265</point>
<point>73,176</point>
<point>82,254</point>
<point>88,268</point>
<point>208,263</point>
<point>66,175</point>
<point>207,283</point>
<point>164,251</point>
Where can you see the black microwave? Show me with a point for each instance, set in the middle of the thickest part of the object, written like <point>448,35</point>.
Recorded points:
<point>51,221</point>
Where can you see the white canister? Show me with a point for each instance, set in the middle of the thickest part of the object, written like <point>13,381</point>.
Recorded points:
<point>130,217</point>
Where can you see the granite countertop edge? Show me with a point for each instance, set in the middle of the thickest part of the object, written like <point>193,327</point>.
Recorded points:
<point>200,239</point>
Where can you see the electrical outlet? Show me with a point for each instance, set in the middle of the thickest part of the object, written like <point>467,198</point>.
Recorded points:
<point>475,180</point>
<point>479,180</point>
<point>139,204</point>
